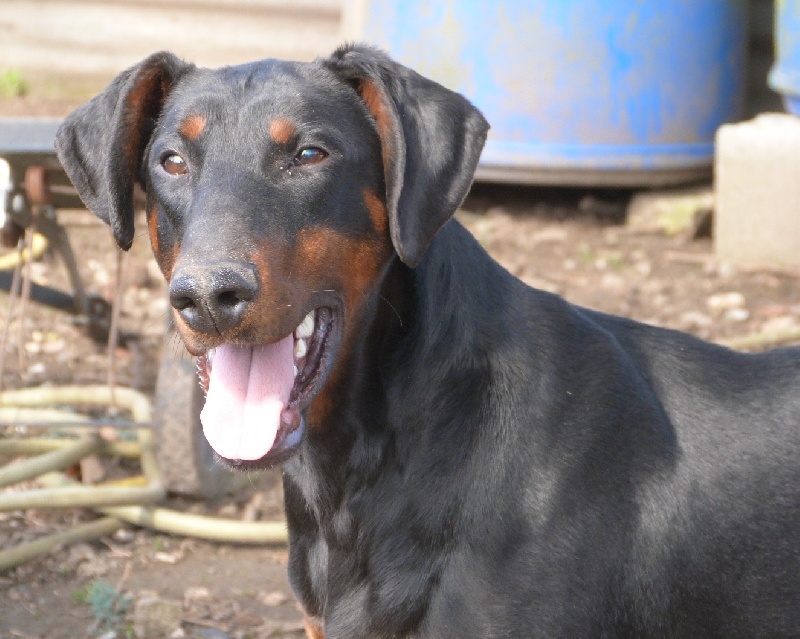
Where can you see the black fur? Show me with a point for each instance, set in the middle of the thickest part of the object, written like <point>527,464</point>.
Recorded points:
<point>499,463</point>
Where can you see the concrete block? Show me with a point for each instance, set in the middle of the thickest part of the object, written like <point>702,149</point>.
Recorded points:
<point>757,192</point>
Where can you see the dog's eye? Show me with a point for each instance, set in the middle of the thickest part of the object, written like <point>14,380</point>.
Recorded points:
<point>174,164</point>
<point>309,155</point>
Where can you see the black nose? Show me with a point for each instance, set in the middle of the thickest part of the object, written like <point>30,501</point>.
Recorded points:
<point>212,298</point>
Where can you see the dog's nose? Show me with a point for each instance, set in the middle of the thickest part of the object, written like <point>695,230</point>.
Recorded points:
<point>213,298</point>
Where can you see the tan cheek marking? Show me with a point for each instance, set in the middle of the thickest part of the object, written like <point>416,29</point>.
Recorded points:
<point>377,212</point>
<point>357,263</point>
<point>169,260</point>
<point>166,256</point>
<point>193,126</point>
<point>282,130</point>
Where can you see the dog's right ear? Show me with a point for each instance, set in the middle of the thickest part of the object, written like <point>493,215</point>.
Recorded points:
<point>101,144</point>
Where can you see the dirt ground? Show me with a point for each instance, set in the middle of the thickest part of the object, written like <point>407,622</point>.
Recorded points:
<point>573,242</point>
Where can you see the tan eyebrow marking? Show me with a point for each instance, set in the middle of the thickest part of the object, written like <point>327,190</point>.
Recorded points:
<point>281,130</point>
<point>192,126</point>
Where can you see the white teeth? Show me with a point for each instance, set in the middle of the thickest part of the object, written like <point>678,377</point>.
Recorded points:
<point>301,335</point>
<point>306,327</point>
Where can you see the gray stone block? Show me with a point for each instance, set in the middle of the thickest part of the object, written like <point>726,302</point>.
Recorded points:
<point>757,192</point>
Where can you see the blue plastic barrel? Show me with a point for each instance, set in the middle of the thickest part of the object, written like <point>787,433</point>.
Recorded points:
<point>605,92</point>
<point>784,76</point>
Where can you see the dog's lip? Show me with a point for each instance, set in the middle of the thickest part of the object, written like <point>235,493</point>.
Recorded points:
<point>312,369</point>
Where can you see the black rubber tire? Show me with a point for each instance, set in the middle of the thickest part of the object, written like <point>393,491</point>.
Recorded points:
<point>185,459</point>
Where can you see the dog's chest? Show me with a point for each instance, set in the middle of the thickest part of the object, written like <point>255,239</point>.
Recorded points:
<point>363,570</point>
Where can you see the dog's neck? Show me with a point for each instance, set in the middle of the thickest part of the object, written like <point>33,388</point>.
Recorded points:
<point>415,320</point>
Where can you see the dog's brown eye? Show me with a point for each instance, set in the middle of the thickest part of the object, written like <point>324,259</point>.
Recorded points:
<point>174,164</point>
<point>309,155</point>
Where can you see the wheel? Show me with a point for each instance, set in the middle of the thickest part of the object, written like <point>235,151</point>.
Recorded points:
<point>185,459</point>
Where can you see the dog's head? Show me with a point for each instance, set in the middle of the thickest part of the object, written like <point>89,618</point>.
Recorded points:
<point>277,195</point>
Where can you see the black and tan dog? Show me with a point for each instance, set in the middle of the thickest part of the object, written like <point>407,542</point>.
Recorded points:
<point>463,456</point>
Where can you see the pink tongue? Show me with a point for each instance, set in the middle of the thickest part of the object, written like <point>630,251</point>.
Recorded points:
<point>247,390</point>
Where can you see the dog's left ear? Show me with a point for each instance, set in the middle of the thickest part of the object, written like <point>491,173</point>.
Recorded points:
<point>431,140</point>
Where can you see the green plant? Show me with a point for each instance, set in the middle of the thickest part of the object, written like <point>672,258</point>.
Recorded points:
<point>12,84</point>
<point>109,607</point>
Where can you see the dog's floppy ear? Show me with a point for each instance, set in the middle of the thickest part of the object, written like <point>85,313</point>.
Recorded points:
<point>431,140</point>
<point>101,144</point>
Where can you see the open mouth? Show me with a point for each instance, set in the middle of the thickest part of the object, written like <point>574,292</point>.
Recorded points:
<point>256,395</point>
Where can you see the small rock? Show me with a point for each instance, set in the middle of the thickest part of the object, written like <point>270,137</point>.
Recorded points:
<point>737,315</point>
<point>195,593</point>
<point>33,348</point>
<point>643,267</point>
<point>614,283</point>
<point>124,536</point>
<point>275,598</point>
<point>100,273</point>
<point>92,469</point>
<point>779,324</point>
<point>37,369</point>
<point>168,557</point>
<point>53,343</point>
<point>674,212</point>
<point>555,234</point>
<point>156,618</point>
<point>725,301</point>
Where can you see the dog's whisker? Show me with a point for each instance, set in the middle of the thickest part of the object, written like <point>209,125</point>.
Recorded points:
<point>389,304</point>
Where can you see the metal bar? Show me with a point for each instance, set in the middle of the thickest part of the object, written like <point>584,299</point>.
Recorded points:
<point>59,240</point>
<point>28,136</point>
<point>43,294</point>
